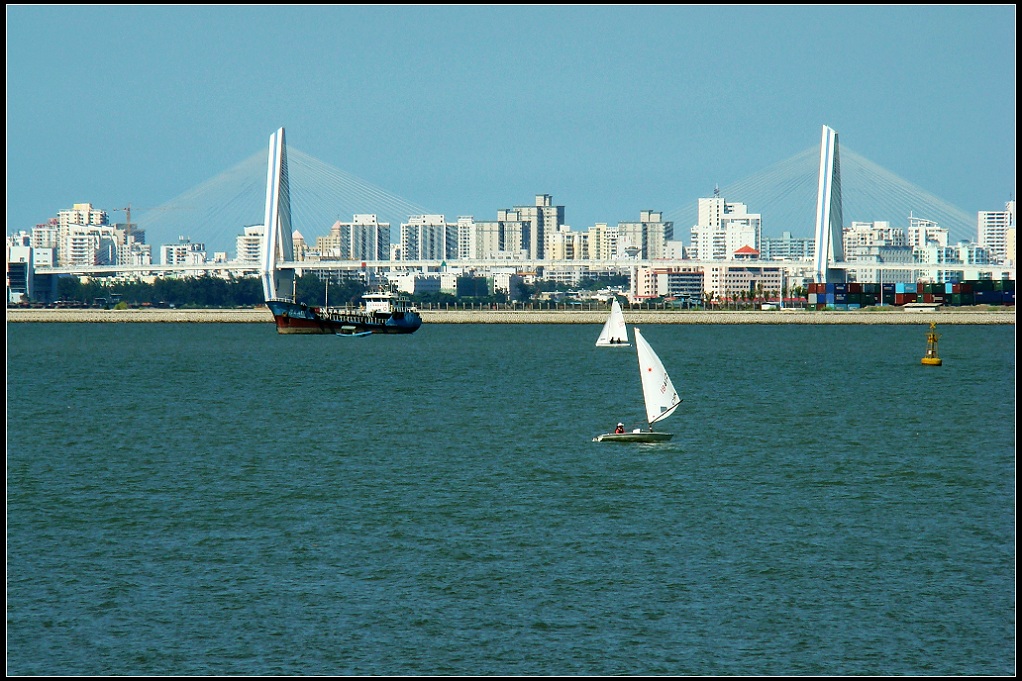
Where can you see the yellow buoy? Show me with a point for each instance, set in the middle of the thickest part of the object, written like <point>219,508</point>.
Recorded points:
<point>931,358</point>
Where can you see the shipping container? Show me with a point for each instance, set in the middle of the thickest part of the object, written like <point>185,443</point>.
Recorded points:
<point>982,285</point>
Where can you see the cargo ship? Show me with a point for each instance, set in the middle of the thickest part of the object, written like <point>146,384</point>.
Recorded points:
<point>383,312</point>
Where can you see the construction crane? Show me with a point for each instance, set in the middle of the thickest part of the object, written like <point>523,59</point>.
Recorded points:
<point>127,210</point>
<point>127,230</point>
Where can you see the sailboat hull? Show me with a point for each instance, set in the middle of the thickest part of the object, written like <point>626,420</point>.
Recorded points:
<point>645,436</point>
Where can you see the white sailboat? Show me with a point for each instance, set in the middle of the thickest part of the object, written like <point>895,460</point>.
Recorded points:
<point>658,392</point>
<point>614,333</point>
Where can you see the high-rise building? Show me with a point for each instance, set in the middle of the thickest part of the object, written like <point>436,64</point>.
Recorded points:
<point>479,240</point>
<point>515,234</point>
<point>566,244</point>
<point>539,219</point>
<point>425,237</point>
<point>364,238</point>
<point>249,246</point>
<point>723,228</point>
<point>605,242</point>
<point>649,235</point>
<point>79,235</point>
<point>922,233</point>
<point>993,231</point>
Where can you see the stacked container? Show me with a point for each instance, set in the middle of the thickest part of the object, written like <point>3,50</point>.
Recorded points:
<point>855,295</point>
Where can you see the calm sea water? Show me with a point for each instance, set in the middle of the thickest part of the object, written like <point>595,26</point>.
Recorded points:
<point>215,499</point>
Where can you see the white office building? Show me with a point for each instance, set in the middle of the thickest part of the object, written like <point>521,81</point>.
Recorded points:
<point>995,229</point>
<point>728,281</point>
<point>427,237</point>
<point>925,233</point>
<point>184,252</point>
<point>78,236</point>
<point>364,238</point>
<point>249,246</point>
<point>724,228</point>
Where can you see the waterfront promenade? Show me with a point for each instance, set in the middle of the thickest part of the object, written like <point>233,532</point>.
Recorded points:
<point>943,316</point>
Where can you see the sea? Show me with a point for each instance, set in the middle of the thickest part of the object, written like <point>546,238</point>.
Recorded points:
<point>218,499</point>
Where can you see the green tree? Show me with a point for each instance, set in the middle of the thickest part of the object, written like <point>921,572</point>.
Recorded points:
<point>434,298</point>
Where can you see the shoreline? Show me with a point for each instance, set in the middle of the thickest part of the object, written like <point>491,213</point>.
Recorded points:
<point>261,315</point>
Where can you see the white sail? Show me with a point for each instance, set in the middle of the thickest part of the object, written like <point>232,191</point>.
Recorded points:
<point>614,331</point>
<point>657,388</point>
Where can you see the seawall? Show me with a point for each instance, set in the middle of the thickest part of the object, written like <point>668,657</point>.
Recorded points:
<point>943,316</point>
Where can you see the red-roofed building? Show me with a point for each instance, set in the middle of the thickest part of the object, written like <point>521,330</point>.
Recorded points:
<point>746,253</point>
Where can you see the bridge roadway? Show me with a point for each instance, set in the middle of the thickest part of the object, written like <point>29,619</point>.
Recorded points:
<point>260,314</point>
<point>254,269</point>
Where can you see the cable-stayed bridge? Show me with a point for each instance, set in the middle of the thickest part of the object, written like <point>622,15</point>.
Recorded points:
<point>215,212</point>
<point>811,190</point>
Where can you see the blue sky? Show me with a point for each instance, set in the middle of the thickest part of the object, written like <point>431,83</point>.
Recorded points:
<point>467,110</point>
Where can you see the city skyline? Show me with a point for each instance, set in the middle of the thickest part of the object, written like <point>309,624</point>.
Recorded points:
<point>216,212</point>
<point>620,109</point>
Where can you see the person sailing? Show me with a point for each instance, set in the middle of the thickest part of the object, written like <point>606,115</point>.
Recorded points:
<point>620,428</point>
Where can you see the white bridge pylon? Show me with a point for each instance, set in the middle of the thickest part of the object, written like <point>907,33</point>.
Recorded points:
<point>278,245</point>
<point>829,245</point>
